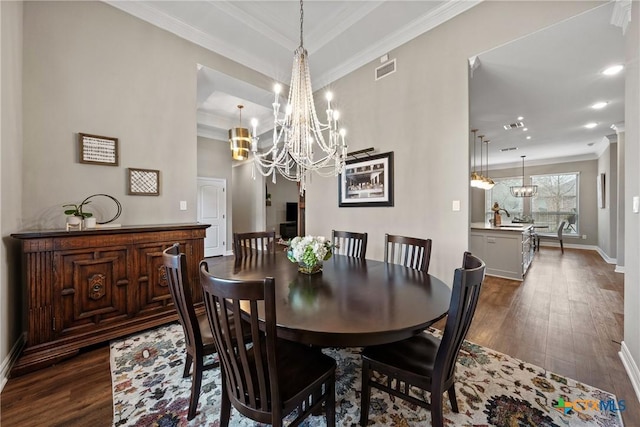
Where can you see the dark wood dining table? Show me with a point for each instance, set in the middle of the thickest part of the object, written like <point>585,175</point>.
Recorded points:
<point>351,303</point>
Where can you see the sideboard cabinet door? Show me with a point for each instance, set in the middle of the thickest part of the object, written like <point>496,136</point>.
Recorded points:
<point>92,289</point>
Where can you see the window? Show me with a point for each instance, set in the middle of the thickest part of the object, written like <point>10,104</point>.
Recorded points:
<point>501,193</point>
<point>557,201</point>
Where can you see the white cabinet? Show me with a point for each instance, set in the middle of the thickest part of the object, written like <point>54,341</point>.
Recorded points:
<point>507,252</point>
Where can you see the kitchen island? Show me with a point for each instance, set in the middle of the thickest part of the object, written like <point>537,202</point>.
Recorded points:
<point>507,250</point>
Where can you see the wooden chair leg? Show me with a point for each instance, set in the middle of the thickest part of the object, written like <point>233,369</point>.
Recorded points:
<point>365,394</point>
<point>437,419</point>
<point>195,387</point>
<point>452,398</point>
<point>187,366</point>
<point>330,402</point>
<point>225,407</point>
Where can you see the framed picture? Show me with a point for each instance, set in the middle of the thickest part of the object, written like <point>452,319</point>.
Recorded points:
<point>98,150</point>
<point>144,182</point>
<point>600,185</point>
<point>367,182</point>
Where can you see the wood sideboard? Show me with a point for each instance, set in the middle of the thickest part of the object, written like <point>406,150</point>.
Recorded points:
<point>87,287</point>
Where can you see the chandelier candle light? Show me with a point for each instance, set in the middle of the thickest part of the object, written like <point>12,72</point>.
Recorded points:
<point>299,145</point>
<point>524,190</point>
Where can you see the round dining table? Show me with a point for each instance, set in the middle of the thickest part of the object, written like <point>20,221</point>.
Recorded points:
<point>351,303</point>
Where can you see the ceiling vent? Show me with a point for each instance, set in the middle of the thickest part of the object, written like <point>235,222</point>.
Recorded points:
<point>508,149</point>
<point>515,125</point>
<point>386,69</point>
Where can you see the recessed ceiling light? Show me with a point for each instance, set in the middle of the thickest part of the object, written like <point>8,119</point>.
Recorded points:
<point>590,125</point>
<point>599,105</point>
<point>528,137</point>
<point>520,118</point>
<point>525,129</point>
<point>613,70</point>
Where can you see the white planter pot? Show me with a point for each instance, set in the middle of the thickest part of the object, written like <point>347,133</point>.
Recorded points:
<point>74,220</point>
<point>89,223</point>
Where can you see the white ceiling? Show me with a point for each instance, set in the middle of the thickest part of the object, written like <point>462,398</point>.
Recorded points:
<point>551,77</point>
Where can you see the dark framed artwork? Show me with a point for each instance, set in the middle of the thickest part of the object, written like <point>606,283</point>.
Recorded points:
<point>98,150</point>
<point>367,182</point>
<point>143,182</point>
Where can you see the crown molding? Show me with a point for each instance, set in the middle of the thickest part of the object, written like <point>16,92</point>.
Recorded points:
<point>621,15</point>
<point>223,47</point>
<point>412,30</point>
<point>166,22</point>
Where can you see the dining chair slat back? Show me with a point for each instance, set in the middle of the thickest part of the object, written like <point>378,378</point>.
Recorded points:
<point>349,243</point>
<point>411,252</point>
<point>197,334</point>
<point>254,243</point>
<point>425,361</point>
<point>558,236</point>
<point>271,378</point>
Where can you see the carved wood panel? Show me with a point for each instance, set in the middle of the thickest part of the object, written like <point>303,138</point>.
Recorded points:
<point>152,285</point>
<point>93,288</point>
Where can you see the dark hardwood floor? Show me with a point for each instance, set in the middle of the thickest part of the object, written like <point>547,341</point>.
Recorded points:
<point>567,316</point>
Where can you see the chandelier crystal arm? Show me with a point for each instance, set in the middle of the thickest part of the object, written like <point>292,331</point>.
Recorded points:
<point>301,143</point>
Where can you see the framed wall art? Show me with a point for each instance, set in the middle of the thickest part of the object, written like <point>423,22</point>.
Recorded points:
<point>143,182</point>
<point>367,182</point>
<point>98,150</point>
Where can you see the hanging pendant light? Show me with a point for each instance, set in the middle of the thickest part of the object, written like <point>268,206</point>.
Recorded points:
<point>239,140</point>
<point>524,190</point>
<point>488,182</point>
<point>301,143</point>
<point>476,179</point>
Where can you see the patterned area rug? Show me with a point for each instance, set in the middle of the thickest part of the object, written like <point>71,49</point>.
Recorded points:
<point>492,388</point>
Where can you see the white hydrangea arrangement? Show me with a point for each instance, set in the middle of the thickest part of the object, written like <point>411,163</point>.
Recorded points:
<point>309,250</point>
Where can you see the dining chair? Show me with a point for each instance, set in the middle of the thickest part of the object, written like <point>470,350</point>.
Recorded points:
<point>424,361</point>
<point>408,251</point>
<point>349,243</point>
<point>198,340</point>
<point>254,243</point>
<point>558,236</point>
<point>273,377</point>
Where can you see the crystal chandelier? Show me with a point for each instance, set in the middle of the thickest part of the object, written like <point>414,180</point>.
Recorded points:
<point>524,190</point>
<point>239,140</point>
<point>299,143</point>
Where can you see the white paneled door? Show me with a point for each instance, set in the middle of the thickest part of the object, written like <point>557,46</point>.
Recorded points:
<point>212,209</point>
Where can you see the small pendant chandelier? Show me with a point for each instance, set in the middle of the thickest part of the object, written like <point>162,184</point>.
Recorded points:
<point>476,179</point>
<point>239,140</point>
<point>301,143</point>
<point>524,190</point>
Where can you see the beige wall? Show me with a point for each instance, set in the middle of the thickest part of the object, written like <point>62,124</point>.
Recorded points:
<point>607,216</point>
<point>248,206</point>
<point>282,191</point>
<point>421,113</point>
<point>10,179</point>
<point>214,161</point>
<point>632,188</point>
<point>115,75</point>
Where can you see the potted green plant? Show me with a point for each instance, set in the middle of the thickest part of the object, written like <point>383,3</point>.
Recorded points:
<point>75,213</point>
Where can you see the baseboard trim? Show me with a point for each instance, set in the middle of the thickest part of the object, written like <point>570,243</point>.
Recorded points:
<point>10,360</point>
<point>605,257</point>
<point>556,244</point>
<point>630,366</point>
<point>619,269</point>
<point>228,253</point>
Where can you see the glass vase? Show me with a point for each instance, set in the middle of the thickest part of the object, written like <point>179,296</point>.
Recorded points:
<point>310,269</point>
